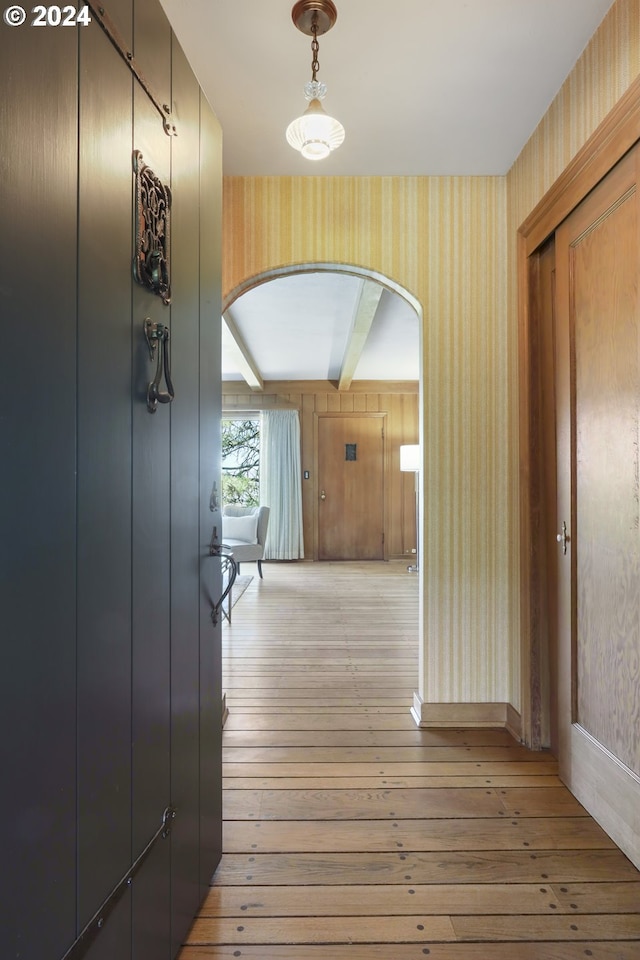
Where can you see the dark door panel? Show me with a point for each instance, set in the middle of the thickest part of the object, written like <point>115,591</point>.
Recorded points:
<point>152,905</point>
<point>185,509</point>
<point>115,938</point>
<point>210,472</point>
<point>111,692</point>
<point>151,546</point>
<point>104,472</point>
<point>37,509</point>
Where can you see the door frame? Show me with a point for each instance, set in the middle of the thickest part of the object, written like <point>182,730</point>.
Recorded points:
<point>618,133</point>
<point>361,415</point>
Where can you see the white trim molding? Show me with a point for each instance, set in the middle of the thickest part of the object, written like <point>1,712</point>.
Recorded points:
<point>466,715</point>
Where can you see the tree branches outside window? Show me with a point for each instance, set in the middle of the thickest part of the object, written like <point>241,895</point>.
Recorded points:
<point>241,462</point>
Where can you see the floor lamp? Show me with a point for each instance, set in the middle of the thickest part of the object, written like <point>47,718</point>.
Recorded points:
<point>410,463</point>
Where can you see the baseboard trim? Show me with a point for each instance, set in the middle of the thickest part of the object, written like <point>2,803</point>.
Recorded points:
<point>514,723</point>
<point>466,715</point>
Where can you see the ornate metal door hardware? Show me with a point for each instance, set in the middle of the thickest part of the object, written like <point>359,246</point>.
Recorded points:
<point>229,570</point>
<point>85,940</point>
<point>153,208</point>
<point>157,336</point>
<point>114,35</point>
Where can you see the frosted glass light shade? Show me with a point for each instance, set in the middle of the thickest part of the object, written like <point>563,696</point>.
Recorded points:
<point>315,134</point>
<point>410,457</point>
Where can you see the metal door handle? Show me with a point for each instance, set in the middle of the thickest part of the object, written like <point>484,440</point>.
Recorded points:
<point>323,495</point>
<point>157,336</point>
<point>229,570</point>
<point>563,537</point>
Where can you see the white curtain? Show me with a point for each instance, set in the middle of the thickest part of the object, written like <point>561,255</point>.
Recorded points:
<point>281,484</point>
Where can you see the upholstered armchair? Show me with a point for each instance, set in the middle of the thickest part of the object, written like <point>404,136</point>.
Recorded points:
<point>244,531</point>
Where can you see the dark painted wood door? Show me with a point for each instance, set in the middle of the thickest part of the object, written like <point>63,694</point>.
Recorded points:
<point>38,409</point>
<point>112,691</point>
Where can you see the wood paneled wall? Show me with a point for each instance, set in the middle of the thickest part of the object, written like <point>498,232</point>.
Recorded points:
<point>399,402</point>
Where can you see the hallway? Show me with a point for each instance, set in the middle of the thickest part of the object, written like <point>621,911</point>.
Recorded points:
<point>350,834</point>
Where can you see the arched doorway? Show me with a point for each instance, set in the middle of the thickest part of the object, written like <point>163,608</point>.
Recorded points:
<point>334,340</point>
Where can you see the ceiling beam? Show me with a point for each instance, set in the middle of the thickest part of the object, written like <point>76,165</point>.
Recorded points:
<point>363,315</point>
<point>246,364</point>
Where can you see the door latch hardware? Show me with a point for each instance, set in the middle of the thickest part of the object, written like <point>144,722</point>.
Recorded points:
<point>157,336</point>
<point>213,499</point>
<point>80,948</point>
<point>563,537</point>
<point>229,571</point>
<point>118,41</point>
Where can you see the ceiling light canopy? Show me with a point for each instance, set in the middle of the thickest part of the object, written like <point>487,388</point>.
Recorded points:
<point>315,134</point>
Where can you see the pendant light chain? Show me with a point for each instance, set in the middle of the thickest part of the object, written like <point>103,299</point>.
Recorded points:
<point>315,48</point>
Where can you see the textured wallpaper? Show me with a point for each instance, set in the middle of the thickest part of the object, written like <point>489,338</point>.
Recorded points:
<point>442,239</point>
<point>608,65</point>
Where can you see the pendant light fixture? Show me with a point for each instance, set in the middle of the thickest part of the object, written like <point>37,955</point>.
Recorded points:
<point>315,134</point>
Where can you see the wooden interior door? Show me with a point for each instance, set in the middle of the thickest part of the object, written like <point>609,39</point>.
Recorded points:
<point>546,466</point>
<point>351,487</point>
<point>598,412</point>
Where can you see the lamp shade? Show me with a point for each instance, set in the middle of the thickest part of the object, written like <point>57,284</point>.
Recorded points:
<point>315,134</point>
<point>410,457</point>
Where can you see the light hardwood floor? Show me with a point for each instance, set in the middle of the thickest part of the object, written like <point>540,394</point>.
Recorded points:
<point>352,835</point>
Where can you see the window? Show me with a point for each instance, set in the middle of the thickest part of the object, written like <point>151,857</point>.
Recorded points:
<point>241,461</point>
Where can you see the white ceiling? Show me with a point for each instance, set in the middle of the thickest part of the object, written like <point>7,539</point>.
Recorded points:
<point>298,328</point>
<point>422,87</point>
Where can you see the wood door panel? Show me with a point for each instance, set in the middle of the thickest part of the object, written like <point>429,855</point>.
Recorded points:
<point>152,545</point>
<point>351,491</point>
<point>185,507</point>
<point>210,663</point>
<point>115,938</point>
<point>38,592</point>
<point>598,391</point>
<point>104,473</point>
<point>607,521</point>
<point>150,555</point>
<point>111,690</point>
<point>548,472</point>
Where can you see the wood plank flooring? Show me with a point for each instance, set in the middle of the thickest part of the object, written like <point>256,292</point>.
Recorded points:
<point>352,835</point>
